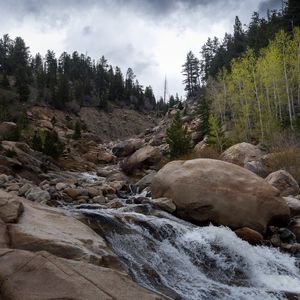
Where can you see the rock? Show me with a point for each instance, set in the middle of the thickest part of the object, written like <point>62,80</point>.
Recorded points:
<point>295,227</point>
<point>94,192</point>
<point>73,193</point>
<point>115,204</point>
<point>145,181</point>
<point>284,182</point>
<point>294,205</point>
<point>43,228</point>
<point>287,236</point>
<point>3,179</point>
<point>99,199</point>
<point>6,129</point>
<point>42,276</point>
<point>36,194</point>
<point>98,155</point>
<point>242,154</point>
<point>251,236</point>
<point>61,186</point>
<point>24,189</point>
<point>147,155</point>
<point>126,148</point>
<point>206,190</point>
<point>4,238</point>
<point>164,204</point>
<point>46,124</point>
<point>11,207</point>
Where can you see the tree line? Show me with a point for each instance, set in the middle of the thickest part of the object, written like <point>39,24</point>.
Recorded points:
<point>248,84</point>
<point>69,80</point>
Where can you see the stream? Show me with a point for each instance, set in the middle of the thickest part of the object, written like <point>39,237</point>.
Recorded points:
<point>182,261</point>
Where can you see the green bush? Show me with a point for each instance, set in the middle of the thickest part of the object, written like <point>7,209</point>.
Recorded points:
<point>10,153</point>
<point>37,142</point>
<point>53,145</point>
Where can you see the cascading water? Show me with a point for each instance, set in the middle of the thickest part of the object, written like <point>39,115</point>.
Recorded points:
<point>183,261</point>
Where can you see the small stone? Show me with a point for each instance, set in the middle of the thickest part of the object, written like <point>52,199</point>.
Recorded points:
<point>73,193</point>
<point>251,236</point>
<point>61,186</point>
<point>99,199</point>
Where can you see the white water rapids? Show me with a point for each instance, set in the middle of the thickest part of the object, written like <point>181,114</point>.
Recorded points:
<point>183,261</point>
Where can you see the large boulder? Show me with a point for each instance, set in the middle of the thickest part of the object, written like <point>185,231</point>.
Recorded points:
<point>284,182</point>
<point>42,276</point>
<point>6,129</point>
<point>245,155</point>
<point>126,148</point>
<point>145,156</point>
<point>39,228</point>
<point>206,190</point>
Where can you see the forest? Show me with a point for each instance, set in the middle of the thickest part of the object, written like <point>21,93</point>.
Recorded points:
<point>70,81</point>
<point>248,85</point>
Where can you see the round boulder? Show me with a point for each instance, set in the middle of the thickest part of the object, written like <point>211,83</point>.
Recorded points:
<point>284,182</point>
<point>207,190</point>
<point>245,155</point>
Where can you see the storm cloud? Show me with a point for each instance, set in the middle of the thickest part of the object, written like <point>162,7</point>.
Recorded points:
<point>151,36</point>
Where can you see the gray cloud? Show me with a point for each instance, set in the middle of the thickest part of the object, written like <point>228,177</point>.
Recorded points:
<point>151,36</point>
<point>269,5</point>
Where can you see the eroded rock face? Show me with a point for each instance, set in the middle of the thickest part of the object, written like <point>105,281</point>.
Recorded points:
<point>284,182</point>
<point>206,190</point>
<point>42,276</point>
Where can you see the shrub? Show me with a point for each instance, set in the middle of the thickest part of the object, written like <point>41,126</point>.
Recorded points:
<point>53,145</point>
<point>10,153</point>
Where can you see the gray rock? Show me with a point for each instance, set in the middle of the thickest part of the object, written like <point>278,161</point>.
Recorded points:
<point>36,194</point>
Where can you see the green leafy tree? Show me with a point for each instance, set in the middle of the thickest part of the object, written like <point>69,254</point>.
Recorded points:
<point>178,139</point>
<point>203,113</point>
<point>216,137</point>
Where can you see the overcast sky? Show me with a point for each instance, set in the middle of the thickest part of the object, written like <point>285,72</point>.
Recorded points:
<point>151,36</point>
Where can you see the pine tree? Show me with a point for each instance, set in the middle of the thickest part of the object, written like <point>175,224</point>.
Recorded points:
<point>191,71</point>
<point>53,145</point>
<point>77,131</point>
<point>36,142</point>
<point>178,139</point>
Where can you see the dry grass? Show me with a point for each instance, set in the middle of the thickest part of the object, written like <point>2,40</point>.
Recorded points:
<point>285,154</point>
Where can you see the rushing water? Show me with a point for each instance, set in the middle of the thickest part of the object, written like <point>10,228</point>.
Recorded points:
<point>182,261</point>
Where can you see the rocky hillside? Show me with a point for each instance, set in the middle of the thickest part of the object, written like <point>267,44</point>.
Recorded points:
<point>76,222</point>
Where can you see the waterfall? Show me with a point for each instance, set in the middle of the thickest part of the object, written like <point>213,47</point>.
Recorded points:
<point>183,261</point>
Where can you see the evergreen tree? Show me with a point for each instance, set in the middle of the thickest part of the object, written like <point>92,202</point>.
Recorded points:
<point>178,139</point>
<point>77,131</point>
<point>191,72</point>
<point>52,145</point>
<point>36,142</point>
